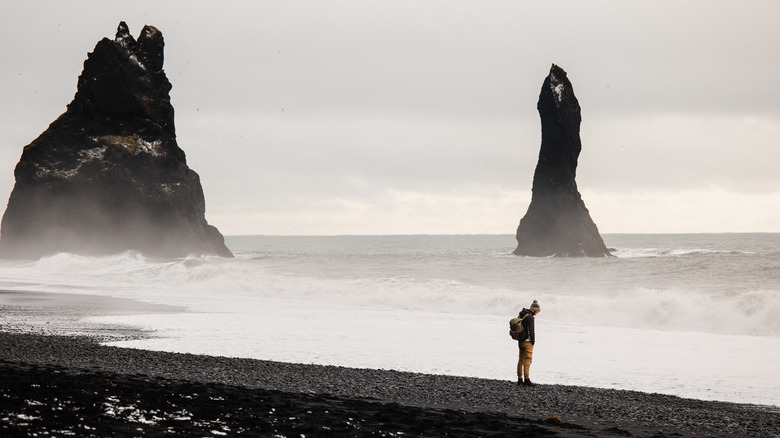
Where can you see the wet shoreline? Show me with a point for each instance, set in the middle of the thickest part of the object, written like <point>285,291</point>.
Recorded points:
<point>321,400</point>
<point>49,354</point>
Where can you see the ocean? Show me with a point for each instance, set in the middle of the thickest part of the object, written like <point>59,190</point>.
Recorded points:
<point>693,315</point>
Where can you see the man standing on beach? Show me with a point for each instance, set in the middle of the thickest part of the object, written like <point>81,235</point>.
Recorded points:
<point>527,344</point>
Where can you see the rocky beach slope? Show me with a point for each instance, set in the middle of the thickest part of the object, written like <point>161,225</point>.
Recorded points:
<point>57,385</point>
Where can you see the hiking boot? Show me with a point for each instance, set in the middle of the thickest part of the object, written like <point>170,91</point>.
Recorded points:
<point>519,382</point>
<point>528,382</point>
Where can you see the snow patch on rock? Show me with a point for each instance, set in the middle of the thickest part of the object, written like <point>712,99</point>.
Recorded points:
<point>557,87</point>
<point>133,144</point>
<point>136,61</point>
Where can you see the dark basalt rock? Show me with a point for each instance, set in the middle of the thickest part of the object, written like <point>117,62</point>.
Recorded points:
<point>557,222</point>
<point>108,176</point>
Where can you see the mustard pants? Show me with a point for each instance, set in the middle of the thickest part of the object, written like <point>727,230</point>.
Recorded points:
<point>526,356</point>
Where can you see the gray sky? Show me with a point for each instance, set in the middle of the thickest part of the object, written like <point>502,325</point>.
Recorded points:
<point>402,117</point>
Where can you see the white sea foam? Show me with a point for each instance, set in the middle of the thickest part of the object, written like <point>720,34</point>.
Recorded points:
<point>662,252</point>
<point>202,281</point>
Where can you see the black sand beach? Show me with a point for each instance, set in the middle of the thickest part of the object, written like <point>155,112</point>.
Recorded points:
<point>58,385</point>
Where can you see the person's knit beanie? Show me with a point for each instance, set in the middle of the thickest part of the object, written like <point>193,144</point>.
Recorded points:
<point>535,307</point>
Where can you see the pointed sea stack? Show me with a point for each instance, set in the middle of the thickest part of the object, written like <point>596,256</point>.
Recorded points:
<point>557,222</point>
<point>108,176</point>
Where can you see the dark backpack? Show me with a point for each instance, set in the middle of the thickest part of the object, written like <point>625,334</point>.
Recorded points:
<point>516,329</point>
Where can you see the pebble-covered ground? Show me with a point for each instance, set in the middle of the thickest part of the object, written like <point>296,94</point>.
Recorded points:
<point>58,386</point>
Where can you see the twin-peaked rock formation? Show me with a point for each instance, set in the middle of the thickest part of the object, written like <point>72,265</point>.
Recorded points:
<point>108,176</point>
<point>557,222</point>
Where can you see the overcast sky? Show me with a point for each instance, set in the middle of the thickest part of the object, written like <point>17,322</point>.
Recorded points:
<point>407,117</point>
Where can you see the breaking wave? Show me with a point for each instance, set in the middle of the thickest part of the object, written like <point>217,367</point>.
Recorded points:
<point>606,293</point>
<point>665,252</point>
